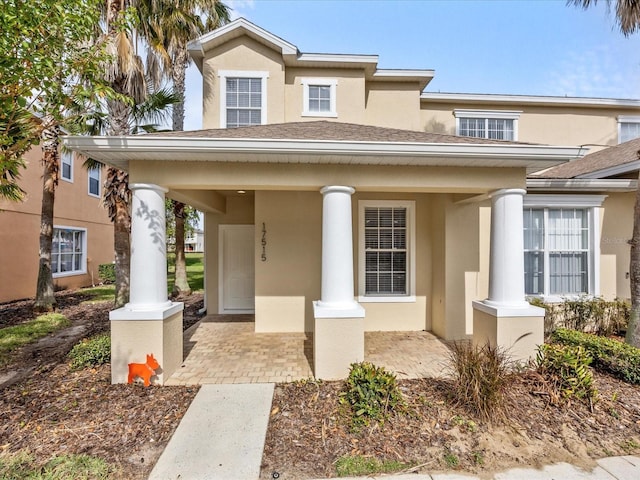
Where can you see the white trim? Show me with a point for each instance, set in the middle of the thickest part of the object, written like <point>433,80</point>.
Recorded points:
<point>83,261</point>
<point>612,171</point>
<point>337,57</point>
<point>410,205</point>
<point>221,308</point>
<point>582,185</point>
<point>69,155</point>
<point>558,201</point>
<point>99,170</point>
<point>323,82</point>
<point>529,99</point>
<point>224,74</point>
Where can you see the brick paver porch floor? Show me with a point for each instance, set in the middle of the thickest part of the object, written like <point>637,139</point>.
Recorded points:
<point>225,349</point>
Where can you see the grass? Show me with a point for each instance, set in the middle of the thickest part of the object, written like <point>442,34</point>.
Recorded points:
<point>195,271</point>
<point>79,467</point>
<point>103,293</point>
<point>16,336</point>
<point>354,465</point>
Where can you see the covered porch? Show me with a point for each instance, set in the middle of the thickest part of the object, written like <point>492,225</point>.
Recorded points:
<point>226,349</point>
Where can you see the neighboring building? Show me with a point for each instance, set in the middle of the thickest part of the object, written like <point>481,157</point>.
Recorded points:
<point>83,233</point>
<point>194,242</point>
<point>352,201</point>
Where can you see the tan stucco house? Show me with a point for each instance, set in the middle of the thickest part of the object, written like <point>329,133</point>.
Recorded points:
<point>82,237</point>
<point>340,198</point>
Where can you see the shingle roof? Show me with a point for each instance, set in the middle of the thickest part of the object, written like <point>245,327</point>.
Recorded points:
<point>326,130</point>
<point>627,152</point>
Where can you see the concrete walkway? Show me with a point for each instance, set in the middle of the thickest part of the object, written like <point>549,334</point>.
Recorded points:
<point>221,437</point>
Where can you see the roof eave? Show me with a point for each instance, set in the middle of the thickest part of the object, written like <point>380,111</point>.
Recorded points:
<point>581,185</point>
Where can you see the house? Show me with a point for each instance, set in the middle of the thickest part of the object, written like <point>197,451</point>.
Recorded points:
<point>348,201</point>
<point>194,241</point>
<point>82,237</point>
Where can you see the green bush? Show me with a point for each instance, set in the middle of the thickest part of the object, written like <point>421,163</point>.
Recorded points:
<point>372,393</point>
<point>609,355</point>
<point>481,377</point>
<point>592,315</point>
<point>107,272</point>
<point>91,352</point>
<point>566,368</point>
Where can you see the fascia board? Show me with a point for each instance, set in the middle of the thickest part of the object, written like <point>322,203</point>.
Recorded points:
<point>337,58</point>
<point>585,185</point>
<point>612,171</point>
<point>529,99</point>
<point>149,144</point>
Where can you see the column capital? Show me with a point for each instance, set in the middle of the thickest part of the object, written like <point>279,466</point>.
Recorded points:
<point>147,186</point>
<point>337,189</point>
<point>507,191</point>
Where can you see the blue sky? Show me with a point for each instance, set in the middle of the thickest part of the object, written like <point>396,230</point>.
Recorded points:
<point>530,47</point>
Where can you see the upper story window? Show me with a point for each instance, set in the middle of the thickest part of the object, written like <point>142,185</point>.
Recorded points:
<point>66,166</point>
<point>491,124</point>
<point>560,247</point>
<point>386,254</point>
<point>94,181</point>
<point>319,97</point>
<point>68,251</point>
<point>628,128</point>
<point>243,98</point>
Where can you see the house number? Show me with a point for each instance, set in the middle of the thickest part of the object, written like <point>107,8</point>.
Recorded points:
<point>264,242</point>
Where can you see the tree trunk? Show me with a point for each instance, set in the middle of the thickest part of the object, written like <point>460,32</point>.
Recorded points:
<point>633,330</point>
<point>45,298</point>
<point>181,285</point>
<point>180,61</point>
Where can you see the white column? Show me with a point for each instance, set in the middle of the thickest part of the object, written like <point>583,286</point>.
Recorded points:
<point>337,250</point>
<point>148,249</point>
<point>506,260</point>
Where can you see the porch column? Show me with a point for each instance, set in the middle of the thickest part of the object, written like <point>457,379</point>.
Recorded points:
<point>339,319</point>
<point>506,319</point>
<point>149,323</point>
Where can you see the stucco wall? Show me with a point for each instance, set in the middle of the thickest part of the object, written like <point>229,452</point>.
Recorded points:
<point>617,228</point>
<point>393,105</point>
<point>20,230</point>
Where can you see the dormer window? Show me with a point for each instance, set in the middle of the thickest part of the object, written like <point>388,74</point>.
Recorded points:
<point>243,98</point>
<point>319,97</point>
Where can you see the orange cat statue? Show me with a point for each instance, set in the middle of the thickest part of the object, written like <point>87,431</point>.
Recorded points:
<point>143,370</point>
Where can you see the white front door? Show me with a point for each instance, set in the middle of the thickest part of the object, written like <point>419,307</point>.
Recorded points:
<point>237,291</point>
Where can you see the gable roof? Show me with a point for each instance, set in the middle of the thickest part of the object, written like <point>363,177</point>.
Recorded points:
<point>320,142</point>
<point>293,57</point>
<point>620,159</point>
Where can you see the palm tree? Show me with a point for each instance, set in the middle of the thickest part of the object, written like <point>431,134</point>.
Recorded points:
<point>168,27</point>
<point>628,19</point>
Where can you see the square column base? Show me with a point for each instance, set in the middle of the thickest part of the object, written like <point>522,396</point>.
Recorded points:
<point>337,343</point>
<point>134,335</point>
<point>519,332</point>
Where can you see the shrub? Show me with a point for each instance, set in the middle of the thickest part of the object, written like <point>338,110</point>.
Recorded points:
<point>107,272</point>
<point>481,376</point>
<point>372,393</point>
<point>609,355</point>
<point>91,352</point>
<point>566,368</point>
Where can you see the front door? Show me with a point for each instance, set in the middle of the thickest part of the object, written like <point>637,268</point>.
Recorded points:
<point>237,292</point>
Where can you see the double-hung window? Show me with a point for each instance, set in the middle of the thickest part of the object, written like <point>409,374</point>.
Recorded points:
<point>68,251</point>
<point>94,182</point>
<point>66,166</point>
<point>319,97</point>
<point>495,125</point>
<point>628,128</point>
<point>386,259</point>
<point>560,247</point>
<point>243,98</point>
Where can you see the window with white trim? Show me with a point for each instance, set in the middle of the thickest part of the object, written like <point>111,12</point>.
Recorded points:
<point>319,97</point>
<point>243,98</point>
<point>68,251</point>
<point>560,247</point>
<point>66,166</point>
<point>386,259</point>
<point>495,125</point>
<point>94,182</point>
<point>628,128</point>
